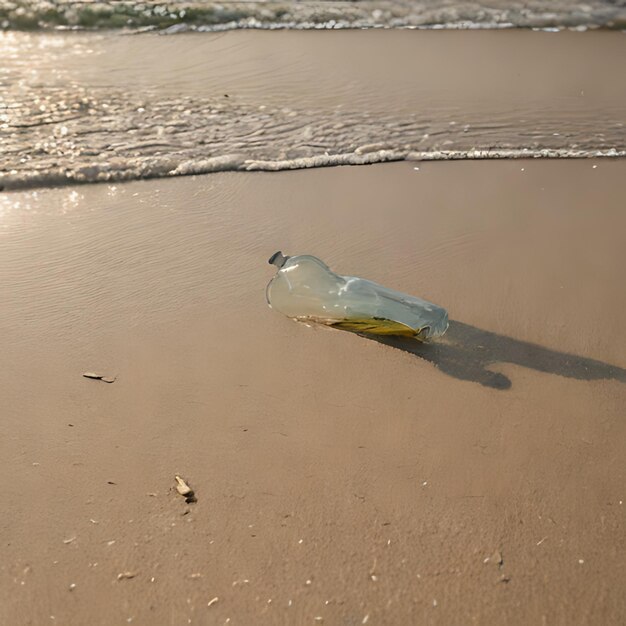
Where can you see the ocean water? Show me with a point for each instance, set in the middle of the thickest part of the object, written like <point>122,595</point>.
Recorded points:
<point>120,104</point>
<point>272,14</point>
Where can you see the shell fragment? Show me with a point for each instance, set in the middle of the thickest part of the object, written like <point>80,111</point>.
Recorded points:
<point>184,489</point>
<point>102,377</point>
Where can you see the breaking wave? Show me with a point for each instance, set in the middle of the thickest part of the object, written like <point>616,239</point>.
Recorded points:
<point>182,15</point>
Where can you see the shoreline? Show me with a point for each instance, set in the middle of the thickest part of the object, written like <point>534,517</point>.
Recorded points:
<point>89,108</point>
<point>228,164</point>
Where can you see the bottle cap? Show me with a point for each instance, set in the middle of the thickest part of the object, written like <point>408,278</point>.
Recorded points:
<point>278,259</point>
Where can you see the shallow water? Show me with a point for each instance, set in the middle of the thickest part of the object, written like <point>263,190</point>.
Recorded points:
<point>97,107</point>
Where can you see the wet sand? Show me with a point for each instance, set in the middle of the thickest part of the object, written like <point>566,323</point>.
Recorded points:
<point>476,480</point>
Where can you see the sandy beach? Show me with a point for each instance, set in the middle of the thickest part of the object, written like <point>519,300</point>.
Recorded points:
<point>339,480</point>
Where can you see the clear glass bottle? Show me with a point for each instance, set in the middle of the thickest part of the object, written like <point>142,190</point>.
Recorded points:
<point>305,288</point>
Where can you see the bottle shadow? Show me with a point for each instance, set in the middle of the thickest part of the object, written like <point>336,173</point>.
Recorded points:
<point>466,352</point>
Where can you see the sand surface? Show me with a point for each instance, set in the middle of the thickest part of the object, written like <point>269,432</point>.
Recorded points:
<point>476,480</point>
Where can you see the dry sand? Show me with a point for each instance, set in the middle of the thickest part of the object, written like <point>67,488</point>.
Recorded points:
<point>477,480</point>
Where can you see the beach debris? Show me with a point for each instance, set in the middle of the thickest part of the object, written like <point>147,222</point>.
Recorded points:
<point>306,289</point>
<point>372,573</point>
<point>495,558</point>
<point>72,586</point>
<point>93,375</point>
<point>103,377</point>
<point>184,489</point>
<point>212,601</point>
<point>66,541</point>
<point>126,575</point>
<point>195,575</point>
